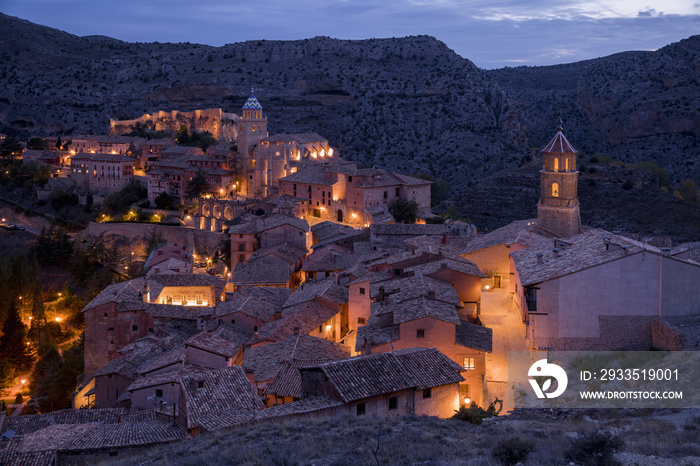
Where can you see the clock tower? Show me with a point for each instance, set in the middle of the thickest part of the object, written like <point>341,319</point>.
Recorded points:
<point>558,209</point>
<point>252,125</point>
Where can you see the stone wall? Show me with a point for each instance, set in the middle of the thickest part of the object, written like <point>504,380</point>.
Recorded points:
<point>144,231</point>
<point>631,333</point>
<point>220,124</point>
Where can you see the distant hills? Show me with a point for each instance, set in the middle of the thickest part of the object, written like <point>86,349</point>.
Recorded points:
<point>409,104</point>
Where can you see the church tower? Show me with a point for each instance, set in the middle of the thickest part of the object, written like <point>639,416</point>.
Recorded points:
<point>558,209</point>
<point>252,126</point>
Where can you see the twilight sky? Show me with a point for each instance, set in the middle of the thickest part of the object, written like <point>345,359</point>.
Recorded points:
<point>491,33</point>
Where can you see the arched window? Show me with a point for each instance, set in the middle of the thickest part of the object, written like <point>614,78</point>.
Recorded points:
<point>556,164</point>
<point>566,165</point>
<point>259,128</point>
<point>555,189</point>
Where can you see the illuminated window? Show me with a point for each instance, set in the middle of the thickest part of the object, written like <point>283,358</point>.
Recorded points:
<point>555,189</point>
<point>556,165</point>
<point>469,363</point>
<point>566,165</point>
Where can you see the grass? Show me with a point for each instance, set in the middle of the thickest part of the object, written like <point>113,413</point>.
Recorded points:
<point>528,438</point>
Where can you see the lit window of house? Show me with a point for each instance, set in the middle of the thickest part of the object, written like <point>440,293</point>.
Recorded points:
<point>469,363</point>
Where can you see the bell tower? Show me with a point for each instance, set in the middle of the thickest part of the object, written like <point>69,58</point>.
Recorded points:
<point>251,126</point>
<point>558,209</point>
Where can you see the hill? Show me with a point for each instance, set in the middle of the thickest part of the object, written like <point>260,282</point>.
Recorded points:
<point>641,437</point>
<point>407,104</point>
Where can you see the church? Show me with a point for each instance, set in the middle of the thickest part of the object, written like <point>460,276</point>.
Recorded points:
<point>582,288</point>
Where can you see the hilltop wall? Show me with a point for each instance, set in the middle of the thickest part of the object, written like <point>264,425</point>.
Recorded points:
<point>220,124</point>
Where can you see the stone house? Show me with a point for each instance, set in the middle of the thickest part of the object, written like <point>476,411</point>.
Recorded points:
<point>265,231</point>
<point>419,381</point>
<point>102,173</point>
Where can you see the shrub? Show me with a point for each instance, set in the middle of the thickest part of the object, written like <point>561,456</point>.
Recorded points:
<point>475,414</point>
<point>595,448</point>
<point>19,398</point>
<point>512,450</point>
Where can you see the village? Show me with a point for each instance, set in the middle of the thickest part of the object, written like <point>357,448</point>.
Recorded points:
<point>343,293</point>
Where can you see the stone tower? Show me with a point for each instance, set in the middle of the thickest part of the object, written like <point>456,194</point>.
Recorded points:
<point>252,126</point>
<point>558,209</point>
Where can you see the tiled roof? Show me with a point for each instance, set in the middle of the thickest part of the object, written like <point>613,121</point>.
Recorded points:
<point>310,175</point>
<point>401,289</point>
<point>265,360</point>
<point>453,245</point>
<point>118,292</point>
<point>378,374</point>
<point>408,229</point>
<point>268,222</point>
<point>380,214</point>
<point>254,301</point>
<point>303,406</point>
<point>577,253</point>
<point>260,272</point>
<point>226,398</point>
<point>372,178</point>
<point>455,263</point>
<point>34,422</point>
<point>169,311</point>
<point>307,316</point>
<point>328,229</point>
<point>325,259</point>
<point>170,266</point>
<point>172,376</point>
<point>252,103</point>
<point>524,232</point>
<point>559,145</point>
<point>324,290</point>
<point>375,334</point>
<point>474,336</point>
<point>288,380</point>
<point>418,308</point>
<point>215,344</point>
<point>287,252</point>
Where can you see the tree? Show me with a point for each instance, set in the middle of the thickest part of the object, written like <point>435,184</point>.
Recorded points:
<point>164,201</point>
<point>53,246</point>
<point>12,344</point>
<point>37,143</point>
<point>7,374</point>
<point>58,143</point>
<point>197,185</point>
<point>9,147</point>
<point>404,211</point>
<point>182,137</point>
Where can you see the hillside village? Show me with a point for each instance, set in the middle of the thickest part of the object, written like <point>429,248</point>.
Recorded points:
<point>331,305</point>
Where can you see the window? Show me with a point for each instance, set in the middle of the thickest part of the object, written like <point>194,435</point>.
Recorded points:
<point>111,329</point>
<point>555,189</point>
<point>255,328</point>
<point>134,328</point>
<point>200,384</point>
<point>397,192</point>
<point>393,403</point>
<point>469,363</point>
<point>362,291</point>
<point>349,178</point>
<point>556,164</point>
<point>361,320</point>
<point>386,194</point>
<point>420,333</point>
<point>159,393</point>
<point>360,409</point>
<point>241,247</point>
<point>427,393</point>
<point>397,272</point>
<point>106,314</point>
<point>566,165</point>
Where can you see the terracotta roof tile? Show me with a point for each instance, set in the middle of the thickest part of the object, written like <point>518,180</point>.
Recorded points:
<point>303,406</point>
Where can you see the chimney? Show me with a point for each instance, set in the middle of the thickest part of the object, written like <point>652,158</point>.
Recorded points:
<point>556,252</point>
<point>296,330</point>
<point>336,278</point>
<point>157,269</point>
<point>250,375</point>
<point>431,294</point>
<point>424,257</point>
<point>443,265</point>
<point>368,347</point>
<point>539,258</point>
<point>160,252</point>
<point>607,242</point>
<point>380,295</point>
<point>256,336</point>
<point>444,239</point>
